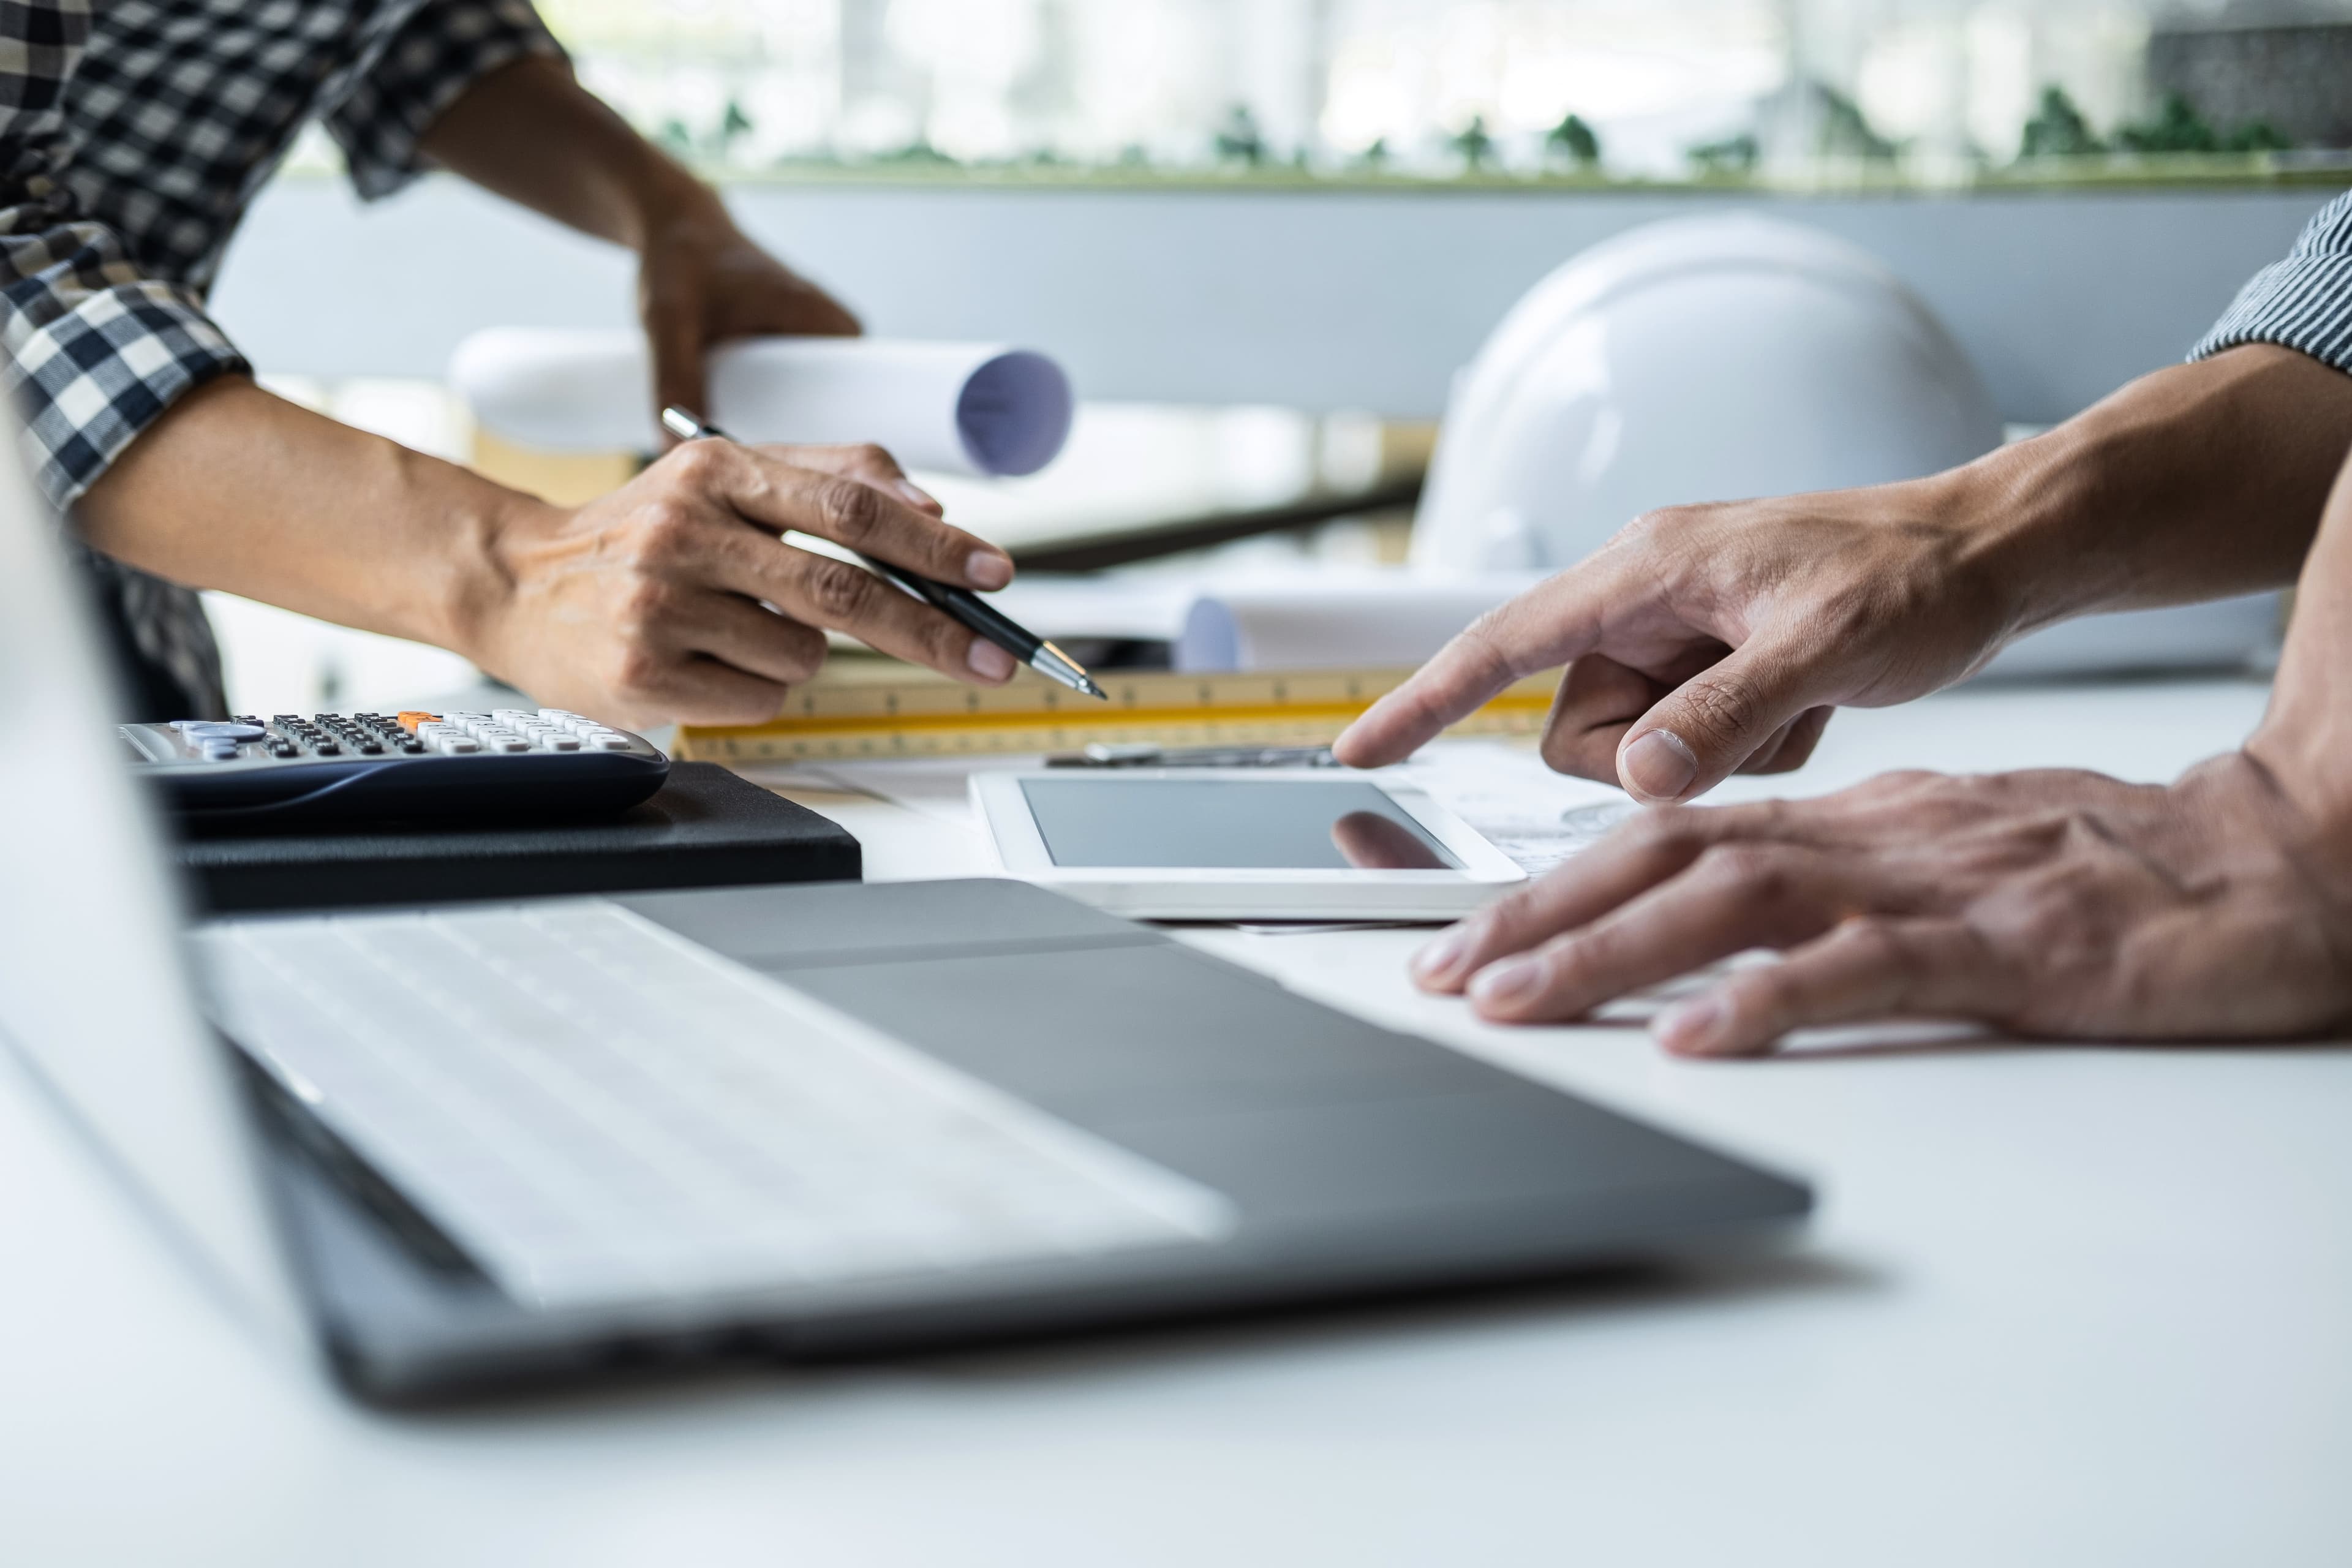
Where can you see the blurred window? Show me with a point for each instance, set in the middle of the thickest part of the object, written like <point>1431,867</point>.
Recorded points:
<point>1931,90</point>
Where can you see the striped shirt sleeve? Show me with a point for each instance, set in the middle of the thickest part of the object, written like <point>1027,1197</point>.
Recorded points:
<point>2304,302</point>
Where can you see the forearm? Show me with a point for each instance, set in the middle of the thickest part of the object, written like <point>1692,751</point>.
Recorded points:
<point>2306,739</point>
<point>237,489</point>
<point>532,134</point>
<point>2197,482</point>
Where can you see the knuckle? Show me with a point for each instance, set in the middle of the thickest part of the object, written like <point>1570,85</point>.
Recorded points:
<point>804,652</point>
<point>697,463</point>
<point>1563,750</point>
<point>645,604</point>
<point>1769,992</point>
<point>638,672</point>
<point>946,642</point>
<point>659,533</point>
<point>1879,942</point>
<point>1757,871</point>
<point>1484,648</point>
<point>1721,707</point>
<point>849,511</point>
<point>873,454</point>
<point>839,592</point>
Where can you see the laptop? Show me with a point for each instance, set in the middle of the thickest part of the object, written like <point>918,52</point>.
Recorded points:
<point>448,1148</point>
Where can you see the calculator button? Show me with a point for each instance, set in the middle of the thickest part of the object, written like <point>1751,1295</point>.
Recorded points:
<point>328,749</point>
<point>609,742</point>
<point>285,749</point>
<point>206,731</point>
<point>455,745</point>
<point>509,743</point>
<point>412,748</point>
<point>220,751</point>
<point>370,748</point>
<point>562,742</point>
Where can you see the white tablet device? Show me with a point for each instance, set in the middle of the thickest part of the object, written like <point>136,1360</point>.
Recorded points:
<point>1219,844</point>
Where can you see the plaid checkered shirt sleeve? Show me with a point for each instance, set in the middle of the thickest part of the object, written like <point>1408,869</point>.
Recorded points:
<point>133,134</point>
<point>127,158</point>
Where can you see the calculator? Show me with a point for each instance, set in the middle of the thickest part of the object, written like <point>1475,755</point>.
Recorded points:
<point>510,762</point>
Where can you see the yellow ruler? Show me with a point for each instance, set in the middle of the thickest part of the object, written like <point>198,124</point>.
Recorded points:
<point>873,707</point>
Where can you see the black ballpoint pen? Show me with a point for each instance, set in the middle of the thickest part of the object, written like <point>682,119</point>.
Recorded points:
<point>960,605</point>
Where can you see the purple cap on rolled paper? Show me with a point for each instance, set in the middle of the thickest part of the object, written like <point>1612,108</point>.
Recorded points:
<point>1015,413</point>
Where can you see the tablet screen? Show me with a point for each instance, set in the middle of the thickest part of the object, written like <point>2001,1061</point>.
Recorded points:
<point>1228,824</point>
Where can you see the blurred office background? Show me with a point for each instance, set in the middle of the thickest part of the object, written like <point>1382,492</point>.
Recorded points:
<point>1265,234</point>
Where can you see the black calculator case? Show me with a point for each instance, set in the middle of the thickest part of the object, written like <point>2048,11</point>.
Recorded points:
<point>705,827</point>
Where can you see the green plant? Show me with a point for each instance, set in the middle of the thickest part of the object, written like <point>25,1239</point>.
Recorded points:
<point>2177,128</point>
<point>2256,136</point>
<point>1846,134</point>
<point>2058,130</point>
<point>1240,141</point>
<point>1732,156</point>
<point>1575,140</point>
<point>1476,147</point>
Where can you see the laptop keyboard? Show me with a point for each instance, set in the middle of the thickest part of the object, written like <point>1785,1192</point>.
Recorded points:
<point>599,1111</point>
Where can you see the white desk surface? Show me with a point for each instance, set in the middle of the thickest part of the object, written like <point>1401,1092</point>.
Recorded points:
<point>2067,1307</point>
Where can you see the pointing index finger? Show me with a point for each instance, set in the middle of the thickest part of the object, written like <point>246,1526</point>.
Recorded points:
<point>1554,621</point>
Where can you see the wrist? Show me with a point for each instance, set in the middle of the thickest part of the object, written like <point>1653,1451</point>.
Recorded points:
<point>2025,519</point>
<point>492,562</point>
<point>664,198</point>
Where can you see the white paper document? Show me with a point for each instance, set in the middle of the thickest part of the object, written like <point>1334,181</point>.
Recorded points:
<point>956,408</point>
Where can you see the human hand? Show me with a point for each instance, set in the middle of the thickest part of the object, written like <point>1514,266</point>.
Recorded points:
<point>2057,904</point>
<point>701,282</point>
<point>675,598</point>
<point>1704,641</point>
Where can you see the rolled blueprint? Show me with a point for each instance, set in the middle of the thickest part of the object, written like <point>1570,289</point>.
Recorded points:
<point>961,408</point>
<point>1384,620</point>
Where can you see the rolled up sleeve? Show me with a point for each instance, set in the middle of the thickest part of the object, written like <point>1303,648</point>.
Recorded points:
<point>2304,302</point>
<point>441,50</point>
<point>96,350</point>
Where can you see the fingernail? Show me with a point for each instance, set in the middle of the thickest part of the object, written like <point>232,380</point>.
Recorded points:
<point>919,496</point>
<point>1693,1030</point>
<point>987,569</point>
<point>1658,766</point>
<point>1513,980</point>
<point>989,661</point>
<point>1442,957</point>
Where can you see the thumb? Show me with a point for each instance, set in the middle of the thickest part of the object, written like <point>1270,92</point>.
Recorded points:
<point>1700,733</point>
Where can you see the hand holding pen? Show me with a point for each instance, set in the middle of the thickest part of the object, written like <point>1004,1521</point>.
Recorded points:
<point>966,607</point>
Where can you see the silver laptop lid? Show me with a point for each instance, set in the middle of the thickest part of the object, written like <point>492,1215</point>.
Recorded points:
<point>95,993</point>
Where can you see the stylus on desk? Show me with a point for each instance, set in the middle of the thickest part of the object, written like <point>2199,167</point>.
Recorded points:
<point>960,605</point>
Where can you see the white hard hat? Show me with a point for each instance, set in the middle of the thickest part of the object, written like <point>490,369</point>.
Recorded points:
<point>1700,359</point>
